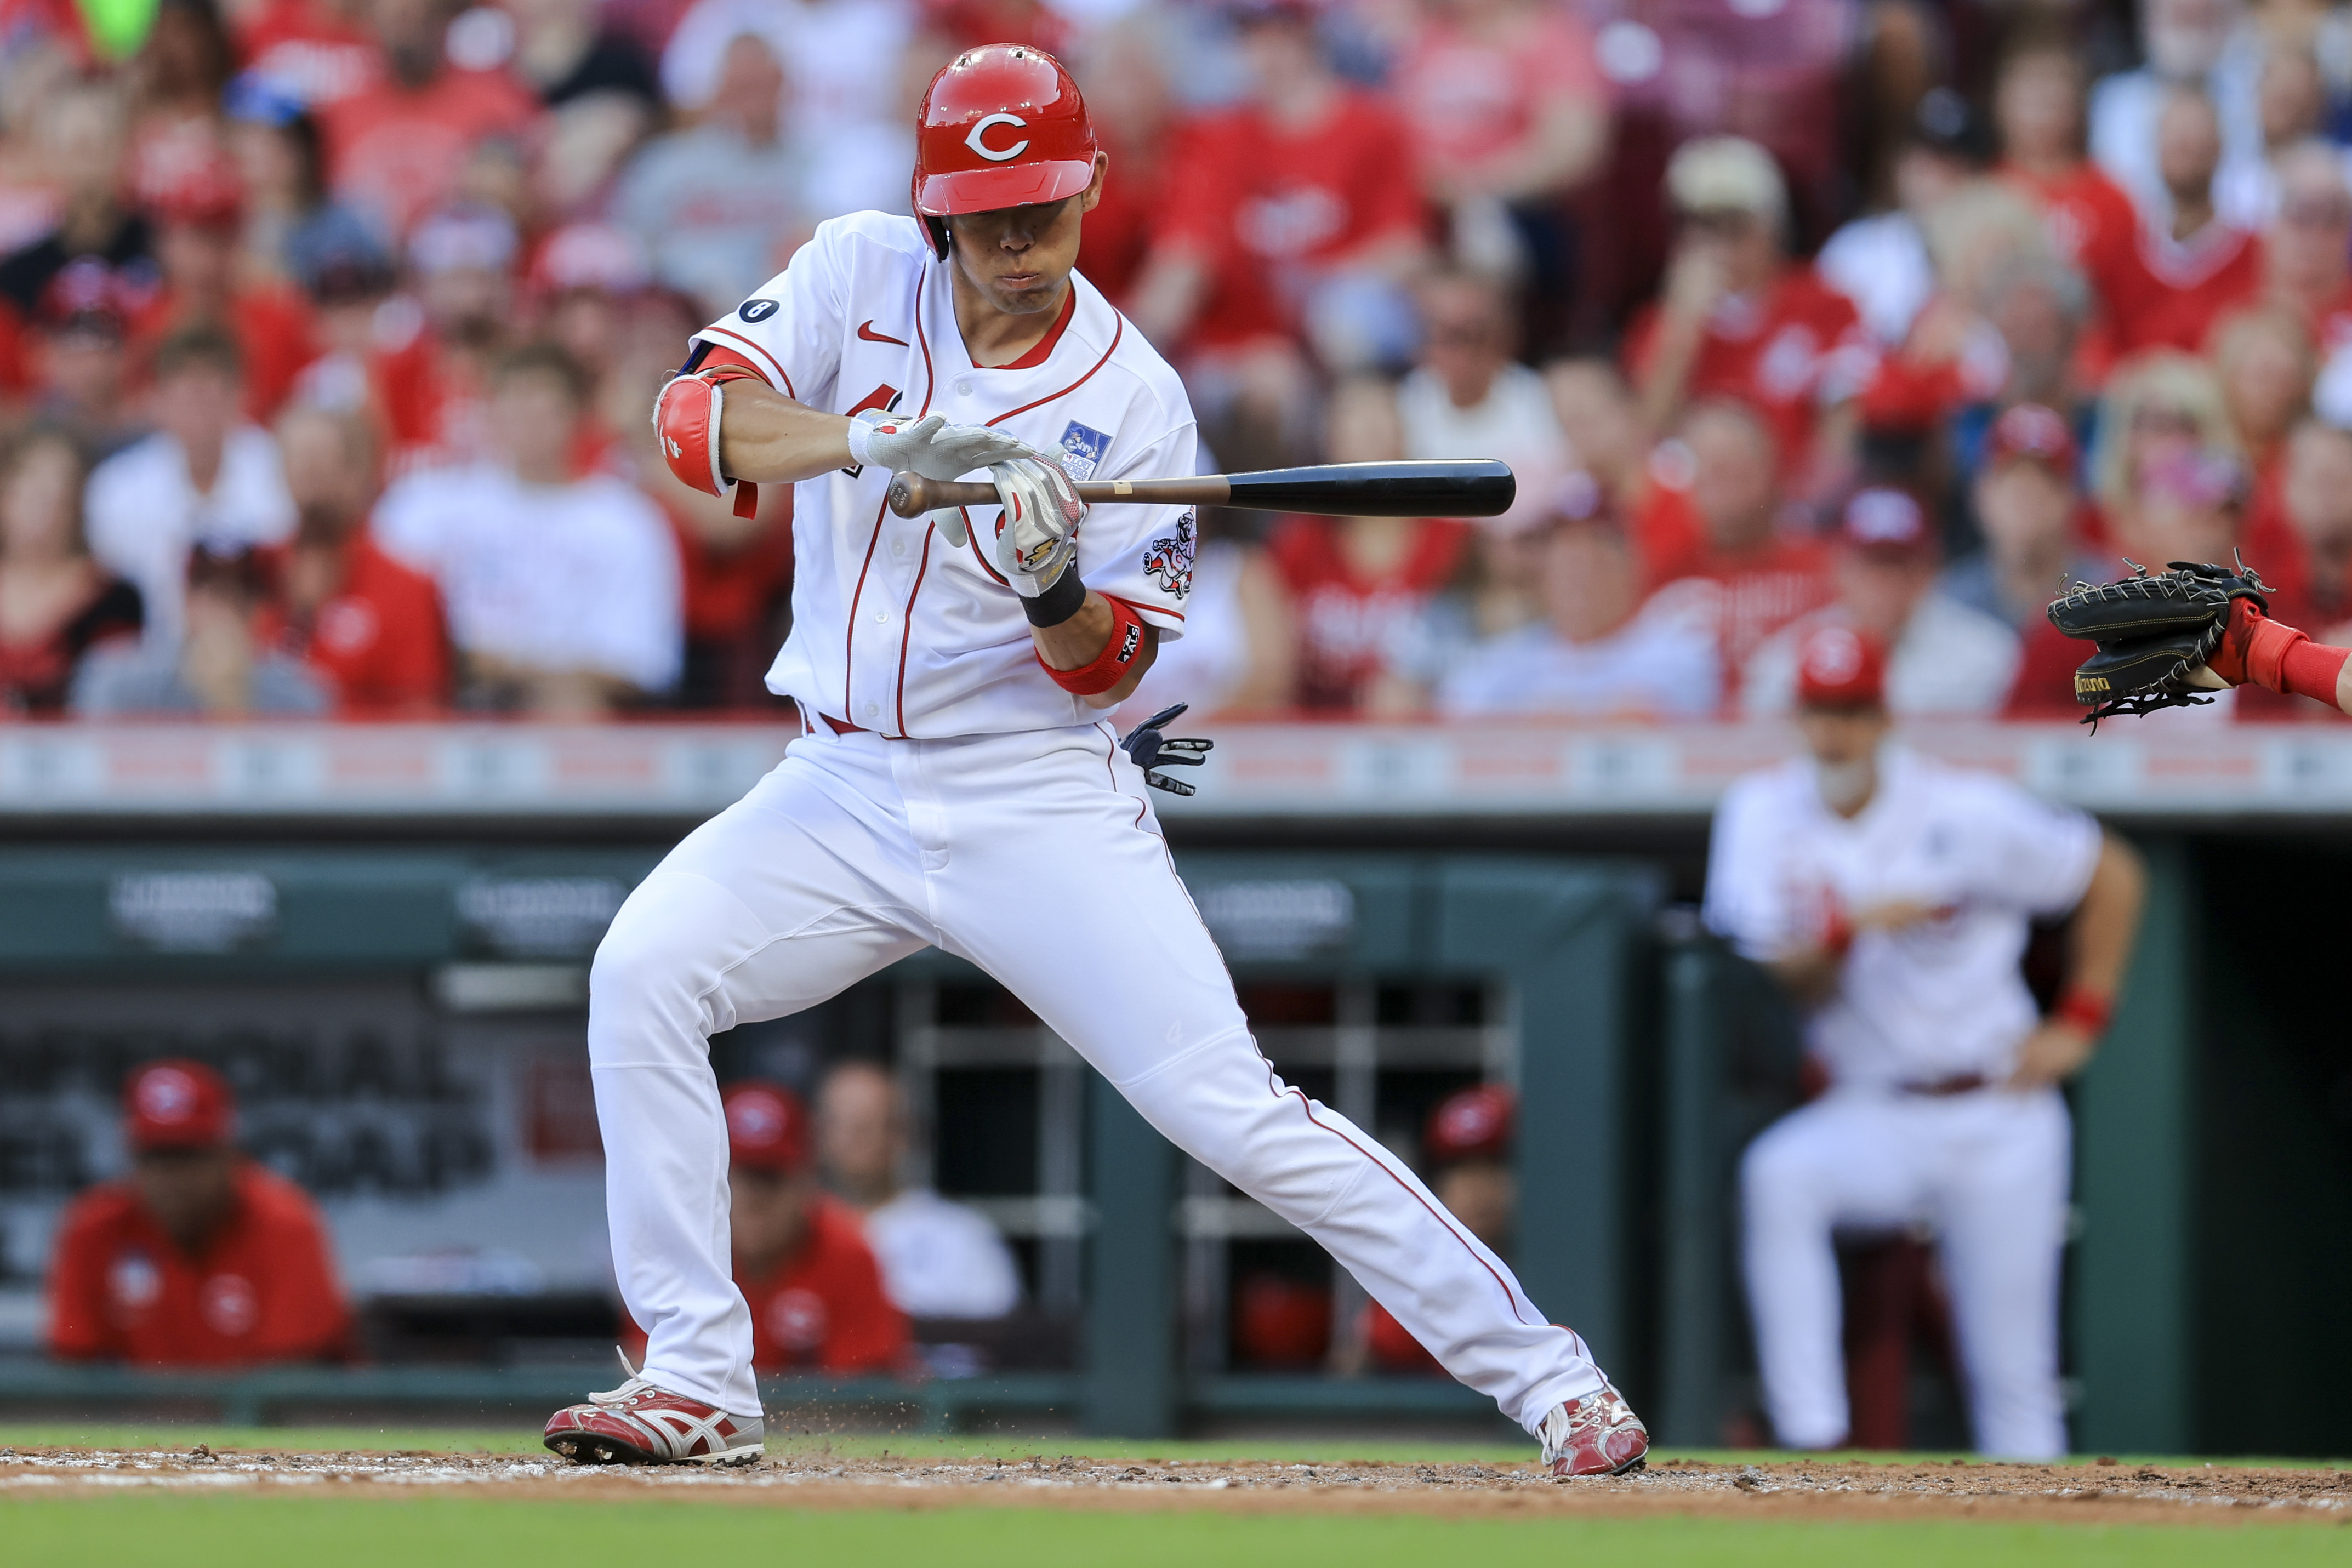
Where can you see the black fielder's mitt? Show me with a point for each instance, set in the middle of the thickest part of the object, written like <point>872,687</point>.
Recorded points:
<point>2157,633</point>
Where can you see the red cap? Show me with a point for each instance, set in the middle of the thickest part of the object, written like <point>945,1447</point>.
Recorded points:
<point>1839,667</point>
<point>176,1105</point>
<point>1473,1124</point>
<point>1886,520</point>
<point>767,1128</point>
<point>2033,431</point>
<point>1001,126</point>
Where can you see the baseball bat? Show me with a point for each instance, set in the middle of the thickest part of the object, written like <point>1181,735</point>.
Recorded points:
<point>1482,489</point>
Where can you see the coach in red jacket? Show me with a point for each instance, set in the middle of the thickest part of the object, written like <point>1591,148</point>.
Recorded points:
<point>199,1257</point>
<point>801,1259</point>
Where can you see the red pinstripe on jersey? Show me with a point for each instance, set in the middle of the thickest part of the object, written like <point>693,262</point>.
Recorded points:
<point>907,626</point>
<point>849,638</point>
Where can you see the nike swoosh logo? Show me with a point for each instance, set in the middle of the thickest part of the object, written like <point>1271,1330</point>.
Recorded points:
<point>865,330</point>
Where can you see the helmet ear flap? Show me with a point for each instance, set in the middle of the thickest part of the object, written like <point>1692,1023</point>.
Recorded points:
<point>939,231</point>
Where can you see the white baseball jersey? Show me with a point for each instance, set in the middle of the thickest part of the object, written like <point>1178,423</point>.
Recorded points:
<point>893,630</point>
<point>1943,998</point>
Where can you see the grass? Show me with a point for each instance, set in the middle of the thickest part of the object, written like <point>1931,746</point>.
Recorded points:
<point>257,1532</point>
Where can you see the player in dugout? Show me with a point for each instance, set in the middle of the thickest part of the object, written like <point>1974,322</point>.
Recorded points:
<point>801,1259</point>
<point>1890,896</point>
<point>199,1257</point>
<point>1466,1145</point>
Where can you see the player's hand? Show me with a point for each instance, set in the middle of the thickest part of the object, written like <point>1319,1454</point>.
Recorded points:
<point>2053,1053</point>
<point>1897,914</point>
<point>1151,748</point>
<point>1695,282</point>
<point>1940,334</point>
<point>929,446</point>
<point>1036,536</point>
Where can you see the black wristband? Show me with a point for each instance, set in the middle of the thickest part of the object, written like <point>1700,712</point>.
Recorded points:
<point>1059,602</point>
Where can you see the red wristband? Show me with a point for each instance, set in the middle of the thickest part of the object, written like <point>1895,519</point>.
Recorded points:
<point>1110,667</point>
<point>2087,1012</point>
<point>1837,936</point>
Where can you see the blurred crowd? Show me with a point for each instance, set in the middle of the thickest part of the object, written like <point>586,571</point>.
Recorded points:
<point>328,329</point>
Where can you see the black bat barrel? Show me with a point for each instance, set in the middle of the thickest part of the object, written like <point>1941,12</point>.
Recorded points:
<point>1483,488</point>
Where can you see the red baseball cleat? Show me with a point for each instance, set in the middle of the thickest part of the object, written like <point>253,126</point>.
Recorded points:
<point>1597,1435</point>
<point>638,1424</point>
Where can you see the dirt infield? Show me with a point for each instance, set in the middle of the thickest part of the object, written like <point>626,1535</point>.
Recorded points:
<point>2101,1492</point>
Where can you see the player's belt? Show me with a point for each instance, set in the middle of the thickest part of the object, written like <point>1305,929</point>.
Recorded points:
<point>1944,1088</point>
<point>841,726</point>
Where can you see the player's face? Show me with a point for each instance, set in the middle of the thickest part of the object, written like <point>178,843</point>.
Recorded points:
<point>857,1128</point>
<point>187,1190</point>
<point>1588,581</point>
<point>2187,145</point>
<point>1841,736</point>
<point>2318,484</point>
<point>1482,1196</point>
<point>1736,484</point>
<point>533,418</point>
<point>2038,107</point>
<point>2023,506</point>
<point>766,1214</point>
<point>1020,258</point>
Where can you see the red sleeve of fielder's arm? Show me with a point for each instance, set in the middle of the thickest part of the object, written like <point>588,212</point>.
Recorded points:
<point>2258,649</point>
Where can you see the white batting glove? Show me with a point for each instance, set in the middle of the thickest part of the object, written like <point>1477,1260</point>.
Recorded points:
<point>929,446</point>
<point>1036,536</point>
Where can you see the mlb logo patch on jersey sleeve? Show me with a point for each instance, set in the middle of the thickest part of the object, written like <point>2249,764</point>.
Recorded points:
<point>1082,449</point>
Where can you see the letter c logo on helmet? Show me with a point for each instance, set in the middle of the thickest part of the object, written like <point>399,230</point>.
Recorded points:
<point>981,127</point>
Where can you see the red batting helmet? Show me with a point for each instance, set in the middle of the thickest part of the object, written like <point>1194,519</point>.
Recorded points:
<point>1001,126</point>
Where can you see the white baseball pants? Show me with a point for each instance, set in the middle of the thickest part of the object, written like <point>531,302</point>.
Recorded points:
<point>1989,1172</point>
<point>1037,857</point>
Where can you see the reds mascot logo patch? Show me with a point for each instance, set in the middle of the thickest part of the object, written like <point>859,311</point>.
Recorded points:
<point>1168,561</point>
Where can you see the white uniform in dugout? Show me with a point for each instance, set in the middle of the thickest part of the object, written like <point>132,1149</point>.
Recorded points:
<point>1923,1029</point>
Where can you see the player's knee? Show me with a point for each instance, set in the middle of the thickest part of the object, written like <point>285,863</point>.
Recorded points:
<point>1777,1173</point>
<point>647,965</point>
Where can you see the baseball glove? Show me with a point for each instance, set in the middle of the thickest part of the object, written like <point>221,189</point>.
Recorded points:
<point>2157,633</point>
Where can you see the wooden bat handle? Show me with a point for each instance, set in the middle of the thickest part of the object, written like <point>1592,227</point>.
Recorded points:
<point>911,495</point>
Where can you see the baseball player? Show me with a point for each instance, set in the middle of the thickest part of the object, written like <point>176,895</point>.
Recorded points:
<point>1891,895</point>
<point>954,787</point>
